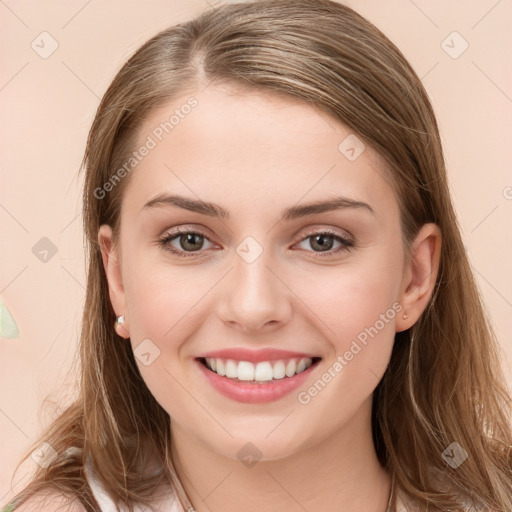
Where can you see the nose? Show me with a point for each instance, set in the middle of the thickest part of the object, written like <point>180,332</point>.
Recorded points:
<point>253,297</point>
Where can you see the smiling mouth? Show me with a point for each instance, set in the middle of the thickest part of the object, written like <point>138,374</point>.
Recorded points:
<point>261,372</point>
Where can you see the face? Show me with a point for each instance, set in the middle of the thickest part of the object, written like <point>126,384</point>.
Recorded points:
<point>320,284</point>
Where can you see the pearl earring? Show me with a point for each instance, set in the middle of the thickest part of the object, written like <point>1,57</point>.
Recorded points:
<point>119,321</point>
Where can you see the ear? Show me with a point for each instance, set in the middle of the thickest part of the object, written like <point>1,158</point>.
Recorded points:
<point>420,275</point>
<point>112,267</point>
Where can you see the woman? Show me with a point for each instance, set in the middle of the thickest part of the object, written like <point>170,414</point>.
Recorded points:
<point>280,313</point>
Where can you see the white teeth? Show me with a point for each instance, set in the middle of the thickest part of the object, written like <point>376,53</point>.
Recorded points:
<point>263,371</point>
<point>279,370</point>
<point>302,365</point>
<point>220,367</point>
<point>291,368</point>
<point>245,371</point>
<point>231,369</point>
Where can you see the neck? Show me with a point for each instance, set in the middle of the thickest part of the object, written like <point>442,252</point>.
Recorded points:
<point>340,472</point>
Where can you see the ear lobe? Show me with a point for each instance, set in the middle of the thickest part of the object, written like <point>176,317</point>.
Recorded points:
<point>112,268</point>
<point>420,275</point>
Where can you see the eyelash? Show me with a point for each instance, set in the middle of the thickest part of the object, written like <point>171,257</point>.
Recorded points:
<point>165,240</point>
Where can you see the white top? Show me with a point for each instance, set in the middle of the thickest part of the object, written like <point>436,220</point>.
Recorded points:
<point>173,504</point>
<point>107,504</point>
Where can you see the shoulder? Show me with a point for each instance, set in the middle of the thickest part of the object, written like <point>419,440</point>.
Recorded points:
<point>48,502</point>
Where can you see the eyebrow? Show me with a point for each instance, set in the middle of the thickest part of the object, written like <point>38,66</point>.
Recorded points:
<point>294,212</point>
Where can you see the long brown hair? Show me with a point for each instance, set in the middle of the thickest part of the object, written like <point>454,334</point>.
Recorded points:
<point>444,383</point>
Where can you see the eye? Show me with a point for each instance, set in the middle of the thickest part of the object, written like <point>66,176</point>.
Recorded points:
<point>190,242</point>
<point>322,240</point>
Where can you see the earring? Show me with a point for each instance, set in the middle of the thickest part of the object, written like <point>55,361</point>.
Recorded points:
<point>405,317</point>
<point>119,322</point>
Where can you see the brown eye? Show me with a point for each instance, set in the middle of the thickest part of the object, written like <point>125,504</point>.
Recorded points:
<point>183,242</point>
<point>322,242</point>
<point>191,241</point>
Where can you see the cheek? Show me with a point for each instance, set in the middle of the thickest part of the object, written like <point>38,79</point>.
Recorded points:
<point>167,305</point>
<point>162,316</point>
<point>348,299</point>
<point>356,308</point>
<point>159,293</point>
<point>360,309</point>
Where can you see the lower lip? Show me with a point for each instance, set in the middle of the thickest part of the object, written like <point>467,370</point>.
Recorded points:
<point>253,393</point>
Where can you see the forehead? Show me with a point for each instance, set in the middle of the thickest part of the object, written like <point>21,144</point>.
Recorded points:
<point>245,146</point>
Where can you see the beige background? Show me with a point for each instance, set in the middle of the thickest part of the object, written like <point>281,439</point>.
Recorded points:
<point>47,105</point>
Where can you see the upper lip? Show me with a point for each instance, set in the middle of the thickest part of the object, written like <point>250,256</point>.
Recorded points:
<point>255,356</point>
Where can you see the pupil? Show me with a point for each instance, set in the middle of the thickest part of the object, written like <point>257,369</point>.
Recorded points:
<point>323,246</point>
<point>188,237</point>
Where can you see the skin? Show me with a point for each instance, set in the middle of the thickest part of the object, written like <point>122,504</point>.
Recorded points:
<point>256,154</point>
